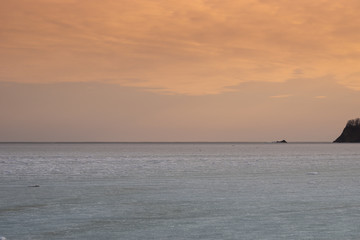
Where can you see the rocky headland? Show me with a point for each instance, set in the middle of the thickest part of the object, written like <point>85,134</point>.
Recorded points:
<point>351,132</point>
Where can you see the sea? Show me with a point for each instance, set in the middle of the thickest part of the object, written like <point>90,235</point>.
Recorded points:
<point>178,191</point>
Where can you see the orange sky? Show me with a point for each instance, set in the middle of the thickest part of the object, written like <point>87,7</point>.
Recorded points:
<point>165,70</point>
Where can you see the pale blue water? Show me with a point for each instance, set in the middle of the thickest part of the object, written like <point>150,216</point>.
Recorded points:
<point>180,191</point>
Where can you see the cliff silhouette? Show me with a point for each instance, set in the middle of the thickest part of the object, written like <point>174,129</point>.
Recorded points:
<point>351,132</point>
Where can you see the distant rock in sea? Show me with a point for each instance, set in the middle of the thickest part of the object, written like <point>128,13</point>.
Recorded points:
<point>351,132</point>
<point>282,141</point>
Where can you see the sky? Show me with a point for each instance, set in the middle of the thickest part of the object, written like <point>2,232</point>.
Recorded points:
<point>166,70</point>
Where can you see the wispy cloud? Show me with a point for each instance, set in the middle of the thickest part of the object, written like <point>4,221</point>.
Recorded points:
<point>192,47</point>
<point>281,96</point>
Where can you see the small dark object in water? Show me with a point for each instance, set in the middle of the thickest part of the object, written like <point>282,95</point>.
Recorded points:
<point>282,141</point>
<point>34,186</point>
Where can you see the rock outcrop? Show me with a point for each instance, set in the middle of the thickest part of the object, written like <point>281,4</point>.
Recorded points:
<point>351,132</point>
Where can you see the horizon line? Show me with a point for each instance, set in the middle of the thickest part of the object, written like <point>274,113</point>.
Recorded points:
<point>151,142</point>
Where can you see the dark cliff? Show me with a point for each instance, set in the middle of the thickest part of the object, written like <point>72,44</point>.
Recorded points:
<point>351,132</point>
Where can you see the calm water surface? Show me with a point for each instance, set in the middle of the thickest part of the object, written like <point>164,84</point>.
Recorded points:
<point>180,191</point>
